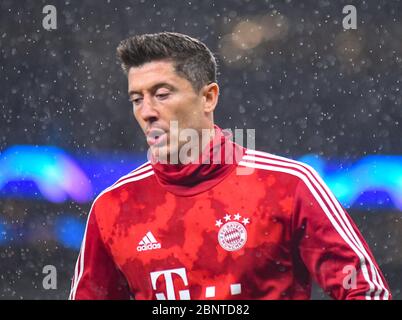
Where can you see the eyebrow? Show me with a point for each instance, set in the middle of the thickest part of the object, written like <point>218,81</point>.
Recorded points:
<point>154,88</point>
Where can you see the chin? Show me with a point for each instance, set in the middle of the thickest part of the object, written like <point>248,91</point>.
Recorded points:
<point>164,155</point>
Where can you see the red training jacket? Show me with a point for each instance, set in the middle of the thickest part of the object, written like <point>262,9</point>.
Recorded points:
<point>263,230</point>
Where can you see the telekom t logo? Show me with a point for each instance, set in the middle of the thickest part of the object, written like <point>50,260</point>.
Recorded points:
<point>181,272</point>
<point>235,288</point>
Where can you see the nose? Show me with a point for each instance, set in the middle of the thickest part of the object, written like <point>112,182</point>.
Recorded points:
<point>147,111</point>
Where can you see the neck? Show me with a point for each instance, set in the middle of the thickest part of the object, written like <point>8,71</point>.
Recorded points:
<point>219,158</point>
<point>193,151</point>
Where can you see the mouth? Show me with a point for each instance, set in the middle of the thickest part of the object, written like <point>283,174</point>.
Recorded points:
<point>156,137</point>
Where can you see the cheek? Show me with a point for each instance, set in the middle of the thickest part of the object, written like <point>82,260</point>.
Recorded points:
<point>136,116</point>
<point>193,117</point>
<point>190,112</point>
<point>184,110</point>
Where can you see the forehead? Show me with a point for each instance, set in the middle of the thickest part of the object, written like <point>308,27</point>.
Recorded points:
<point>152,73</point>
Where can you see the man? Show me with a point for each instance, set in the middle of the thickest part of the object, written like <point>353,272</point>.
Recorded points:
<point>191,224</point>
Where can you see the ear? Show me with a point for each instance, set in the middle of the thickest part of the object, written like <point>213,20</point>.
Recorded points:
<point>210,94</point>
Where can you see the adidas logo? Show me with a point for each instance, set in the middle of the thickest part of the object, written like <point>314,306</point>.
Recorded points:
<point>148,242</point>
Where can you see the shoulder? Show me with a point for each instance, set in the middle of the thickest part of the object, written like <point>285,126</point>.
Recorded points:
<point>138,175</point>
<point>273,164</point>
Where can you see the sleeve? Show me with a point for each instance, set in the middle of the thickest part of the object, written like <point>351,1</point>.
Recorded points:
<point>96,276</point>
<point>331,247</point>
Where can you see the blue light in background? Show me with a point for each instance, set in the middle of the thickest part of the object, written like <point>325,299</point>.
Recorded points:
<point>366,179</point>
<point>55,174</point>
<point>314,161</point>
<point>3,233</point>
<point>39,172</point>
<point>69,231</point>
<point>105,168</point>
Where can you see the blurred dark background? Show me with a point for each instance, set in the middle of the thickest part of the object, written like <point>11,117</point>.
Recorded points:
<point>287,69</point>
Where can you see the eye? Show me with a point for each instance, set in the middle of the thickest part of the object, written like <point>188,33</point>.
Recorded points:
<point>136,101</point>
<point>162,95</point>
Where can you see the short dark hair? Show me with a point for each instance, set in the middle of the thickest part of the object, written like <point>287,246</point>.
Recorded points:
<point>191,58</point>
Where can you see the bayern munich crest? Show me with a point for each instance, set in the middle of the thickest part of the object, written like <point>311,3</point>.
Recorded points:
<point>232,234</point>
